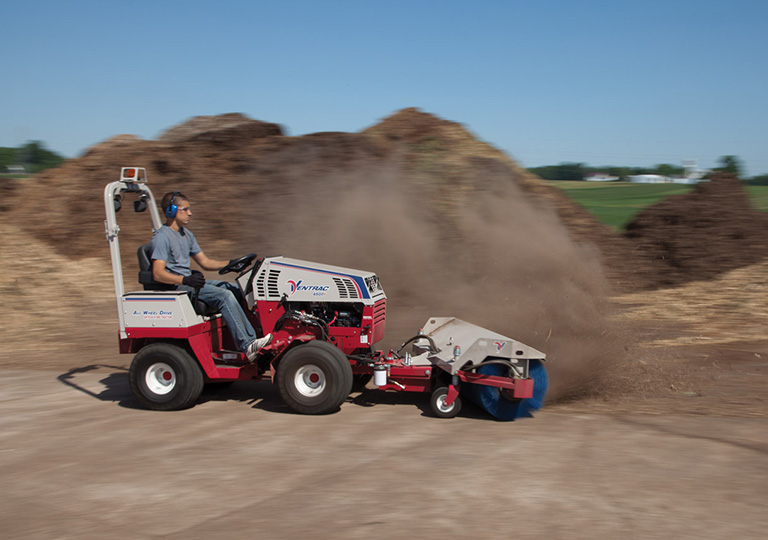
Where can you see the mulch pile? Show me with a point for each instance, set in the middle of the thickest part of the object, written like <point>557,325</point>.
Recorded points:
<point>248,170</point>
<point>699,235</point>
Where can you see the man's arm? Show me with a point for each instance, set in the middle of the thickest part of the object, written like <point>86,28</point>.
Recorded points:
<point>206,263</point>
<point>164,276</point>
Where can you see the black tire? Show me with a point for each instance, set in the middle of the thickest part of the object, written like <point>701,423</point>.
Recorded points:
<point>314,378</point>
<point>359,381</point>
<point>164,377</point>
<point>437,402</point>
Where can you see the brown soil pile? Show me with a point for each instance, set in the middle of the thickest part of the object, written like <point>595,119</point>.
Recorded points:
<point>700,235</point>
<point>452,226</point>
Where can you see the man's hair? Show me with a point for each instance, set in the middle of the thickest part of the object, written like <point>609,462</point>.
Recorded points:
<point>166,202</point>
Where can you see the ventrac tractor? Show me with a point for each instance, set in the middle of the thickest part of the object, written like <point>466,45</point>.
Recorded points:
<point>325,321</point>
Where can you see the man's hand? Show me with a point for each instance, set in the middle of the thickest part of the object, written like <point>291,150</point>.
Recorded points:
<point>196,280</point>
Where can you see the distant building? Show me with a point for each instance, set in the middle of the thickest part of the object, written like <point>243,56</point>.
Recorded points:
<point>600,177</point>
<point>650,179</point>
<point>691,172</point>
<point>691,175</point>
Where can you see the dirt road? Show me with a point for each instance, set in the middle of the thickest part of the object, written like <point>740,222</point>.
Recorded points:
<point>79,460</point>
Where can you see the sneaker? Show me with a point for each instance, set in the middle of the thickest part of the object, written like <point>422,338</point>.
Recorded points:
<point>256,345</point>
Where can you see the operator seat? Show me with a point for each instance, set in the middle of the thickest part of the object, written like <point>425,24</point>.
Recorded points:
<point>148,280</point>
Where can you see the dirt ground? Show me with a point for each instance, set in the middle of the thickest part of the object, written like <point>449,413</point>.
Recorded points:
<point>655,426</point>
<point>79,460</point>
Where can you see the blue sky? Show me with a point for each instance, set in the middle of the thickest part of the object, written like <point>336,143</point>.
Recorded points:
<point>627,83</point>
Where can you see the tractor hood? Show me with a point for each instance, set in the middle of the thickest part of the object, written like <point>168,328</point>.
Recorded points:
<point>305,281</point>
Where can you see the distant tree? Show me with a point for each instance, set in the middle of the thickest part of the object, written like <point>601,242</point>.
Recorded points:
<point>761,180</point>
<point>35,157</point>
<point>7,158</point>
<point>665,169</point>
<point>621,172</point>
<point>546,172</point>
<point>563,171</point>
<point>729,164</point>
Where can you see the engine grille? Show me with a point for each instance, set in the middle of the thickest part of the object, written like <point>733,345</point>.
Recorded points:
<point>272,289</point>
<point>346,288</point>
<point>261,289</point>
<point>266,284</point>
<point>379,312</point>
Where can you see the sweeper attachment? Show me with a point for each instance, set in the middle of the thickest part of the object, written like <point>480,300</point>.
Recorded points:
<point>497,373</point>
<point>324,321</point>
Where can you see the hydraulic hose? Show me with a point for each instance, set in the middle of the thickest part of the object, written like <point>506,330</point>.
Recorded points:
<point>499,362</point>
<point>304,318</point>
<point>432,347</point>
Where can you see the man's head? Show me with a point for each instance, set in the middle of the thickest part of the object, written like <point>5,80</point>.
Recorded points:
<point>175,206</point>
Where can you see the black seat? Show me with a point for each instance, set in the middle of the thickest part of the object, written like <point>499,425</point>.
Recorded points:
<point>147,279</point>
<point>145,271</point>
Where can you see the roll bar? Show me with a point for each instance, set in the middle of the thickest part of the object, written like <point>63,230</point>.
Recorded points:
<point>132,180</point>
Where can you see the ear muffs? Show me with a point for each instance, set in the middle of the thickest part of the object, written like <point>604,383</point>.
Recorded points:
<point>172,209</point>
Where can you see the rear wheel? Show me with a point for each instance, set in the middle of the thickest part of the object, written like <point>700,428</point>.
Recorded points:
<point>164,377</point>
<point>314,378</point>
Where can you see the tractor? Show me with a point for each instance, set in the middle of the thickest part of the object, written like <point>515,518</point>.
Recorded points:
<point>325,321</point>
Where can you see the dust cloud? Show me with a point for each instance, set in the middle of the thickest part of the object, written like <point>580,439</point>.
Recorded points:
<point>483,251</point>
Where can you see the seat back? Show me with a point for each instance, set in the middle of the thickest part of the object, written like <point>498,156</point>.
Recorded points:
<point>146,278</point>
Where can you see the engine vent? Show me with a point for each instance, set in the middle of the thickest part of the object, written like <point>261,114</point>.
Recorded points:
<point>261,288</point>
<point>346,288</point>
<point>380,312</point>
<point>273,290</point>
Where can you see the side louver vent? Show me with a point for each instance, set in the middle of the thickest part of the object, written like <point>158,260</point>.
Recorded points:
<point>272,289</point>
<point>261,288</point>
<point>346,288</point>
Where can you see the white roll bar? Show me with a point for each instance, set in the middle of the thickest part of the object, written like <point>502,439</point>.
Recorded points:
<point>132,180</point>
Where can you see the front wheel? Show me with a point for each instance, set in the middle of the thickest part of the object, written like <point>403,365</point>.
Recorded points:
<point>439,408</point>
<point>164,377</point>
<point>314,378</point>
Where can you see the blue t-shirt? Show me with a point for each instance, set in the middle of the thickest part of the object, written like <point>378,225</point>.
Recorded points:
<point>174,248</point>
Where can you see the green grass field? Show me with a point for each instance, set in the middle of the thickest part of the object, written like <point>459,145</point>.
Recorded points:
<point>616,203</point>
<point>759,196</point>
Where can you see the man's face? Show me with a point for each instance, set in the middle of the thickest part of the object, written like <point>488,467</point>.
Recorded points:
<point>183,212</point>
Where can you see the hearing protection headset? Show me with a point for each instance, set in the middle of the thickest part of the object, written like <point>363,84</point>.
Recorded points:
<point>172,209</point>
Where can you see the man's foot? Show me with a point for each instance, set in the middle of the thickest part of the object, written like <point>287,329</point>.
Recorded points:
<point>256,345</point>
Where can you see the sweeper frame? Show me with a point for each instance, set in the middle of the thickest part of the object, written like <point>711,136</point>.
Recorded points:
<point>324,321</point>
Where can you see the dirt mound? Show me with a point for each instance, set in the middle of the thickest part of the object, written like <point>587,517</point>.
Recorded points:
<point>727,309</point>
<point>225,128</point>
<point>700,235</point>
<point>451,225</point>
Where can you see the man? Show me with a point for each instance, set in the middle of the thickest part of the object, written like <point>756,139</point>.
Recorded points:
<point>171,248</point>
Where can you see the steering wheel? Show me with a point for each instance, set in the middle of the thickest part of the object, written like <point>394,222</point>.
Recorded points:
<point>238,265</point>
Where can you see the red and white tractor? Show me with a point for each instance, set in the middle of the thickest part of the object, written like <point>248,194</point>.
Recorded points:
<point>325,321</point>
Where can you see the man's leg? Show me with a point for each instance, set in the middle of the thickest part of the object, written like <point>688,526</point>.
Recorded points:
<point>221,295</point>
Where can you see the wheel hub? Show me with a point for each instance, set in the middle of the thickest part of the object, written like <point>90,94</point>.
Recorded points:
<point>160,378</point>
<point>442,406</point>
<point>310,380</point>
